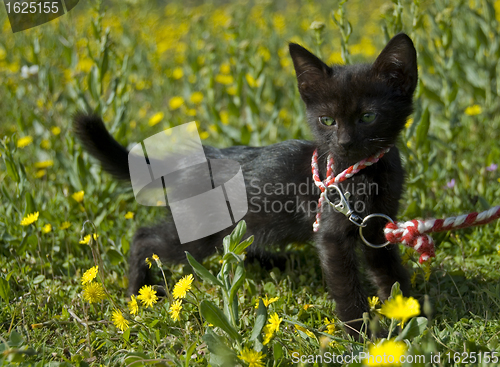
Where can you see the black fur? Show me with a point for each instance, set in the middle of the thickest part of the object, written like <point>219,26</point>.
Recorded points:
<point>283,170</point>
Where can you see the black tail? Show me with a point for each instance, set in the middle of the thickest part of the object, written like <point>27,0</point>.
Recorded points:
<point>96,140</point>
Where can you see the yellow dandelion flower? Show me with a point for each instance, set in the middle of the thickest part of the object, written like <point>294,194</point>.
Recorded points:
<point>196,97</point>
<point>156,118</point>
<point>400,308</point>
<point>253,358</point>
<point>284,114</point>
<point>264,53</point>
<point>148,262</point>
<point>232,90</point>
<point>204,135</point>
<point>224,117</point>
<point>268,334</point>
<point>335,58</point>
<point>266,301</point>
<point>41,173</point>
<point>191,112</point>
<point>24,142</point>
<point>251,81</point>
<point>305,331</point>
<point>225,68</point>
<point>147,296</point>
<point>373,302</point>
<point>90,275</point>
<point>387,353</point>
<point>271,328</point>
<point>175,102</point>
<point>364,47</point>
<point>409,122</point>
<point>56,130</point>
<point>44,164</point>
<point>177,73</point>
<point>47,228</point>
<point>473,110</point>
<point>45,144</point>
<point>119,321</point>
<point>86,239</point>
<point>175,310</point>
<point>224,79</point>
<point>78,196</point>
<point>275,322</point>
<point>157,259</point>
<point>93,292</point>
<point>129,215</point>
<point>133,307</point>
<point>65,225</point>
<point>307,306</point>
<point>330,326</point>
<point>182,287</point>
<point>30,219</point>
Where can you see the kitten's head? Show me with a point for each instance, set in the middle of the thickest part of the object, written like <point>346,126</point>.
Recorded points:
<point>356,110</point>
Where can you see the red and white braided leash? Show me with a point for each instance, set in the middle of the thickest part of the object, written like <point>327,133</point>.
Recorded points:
<point>413,233</point>
<point>331,179</point>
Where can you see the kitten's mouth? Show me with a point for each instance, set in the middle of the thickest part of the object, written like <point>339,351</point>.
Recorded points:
<point>352,155</point>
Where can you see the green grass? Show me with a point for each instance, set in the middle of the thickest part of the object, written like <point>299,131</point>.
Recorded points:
<point>127,61</point>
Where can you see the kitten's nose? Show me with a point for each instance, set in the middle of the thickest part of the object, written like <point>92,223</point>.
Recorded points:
<point>345,143</point>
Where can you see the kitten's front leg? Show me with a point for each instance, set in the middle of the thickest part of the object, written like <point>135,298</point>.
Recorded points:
<point>340,268</point>
<point>386,268</point>
<point>384,263</point>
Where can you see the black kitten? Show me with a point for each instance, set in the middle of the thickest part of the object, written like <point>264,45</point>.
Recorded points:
<point>354,112</point>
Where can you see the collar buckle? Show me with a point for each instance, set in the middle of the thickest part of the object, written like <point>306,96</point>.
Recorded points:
<point>343,205</point>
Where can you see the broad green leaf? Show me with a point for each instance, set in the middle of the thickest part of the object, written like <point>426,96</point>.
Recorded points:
<point>239,277</point>
<point>243,245</point>
<point>15,339</point>
<point>125,245</point>
<point>189,353</point>
<point>115,257</point>
<point>396,290</point>
<point>260,320</point>
<point>215,316</point>
<point>277,351</point>
<point>202,271</point>
<point>38,279</point>
<point>30,204</point>
<point>220,353</point>
<point>135,359</point>
<point>4,289</point>
<point>237,234</point>
<point>126,334</point>
<point>11,169</point>
<point>414,328</point>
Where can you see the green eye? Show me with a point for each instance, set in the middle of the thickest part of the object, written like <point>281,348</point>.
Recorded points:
<point>328,121</point>
<point>368,117</point>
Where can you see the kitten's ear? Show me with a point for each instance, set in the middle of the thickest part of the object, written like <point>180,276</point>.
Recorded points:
<point>309,70</point>
<point>397,64</point>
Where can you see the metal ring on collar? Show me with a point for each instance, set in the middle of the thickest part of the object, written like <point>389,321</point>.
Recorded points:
<point>363,224</point>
